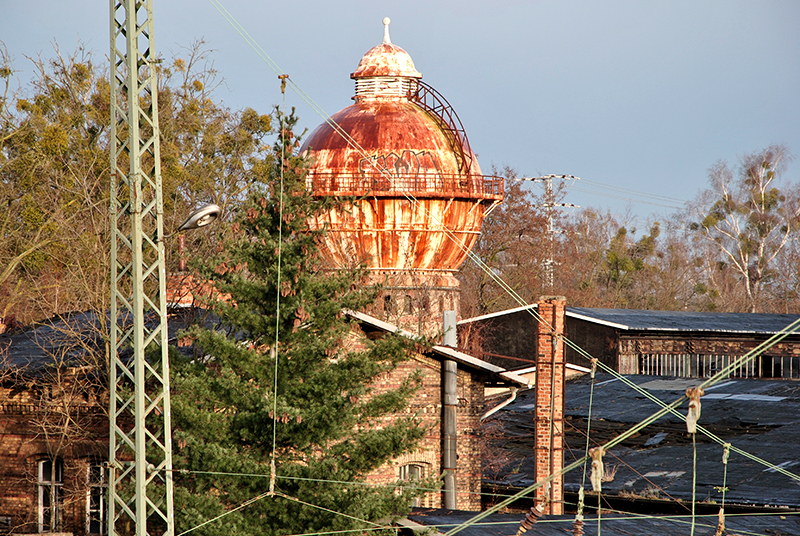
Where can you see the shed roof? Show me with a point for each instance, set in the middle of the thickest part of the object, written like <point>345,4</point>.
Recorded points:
<point>611,524</point>
<point>635,319</point>
<point>643,319</point>
<point>761,417</point>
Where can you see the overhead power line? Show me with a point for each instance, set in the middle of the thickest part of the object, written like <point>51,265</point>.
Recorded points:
<point>634,196</point>
<point>549,204</point>
<point>630,195</point>
<point>638,193</point>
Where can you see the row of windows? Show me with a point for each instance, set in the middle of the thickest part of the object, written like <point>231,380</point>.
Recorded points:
<point>51,484</point>
<point>692,365</point>
<point>51,496</point>
<point>392,304</point>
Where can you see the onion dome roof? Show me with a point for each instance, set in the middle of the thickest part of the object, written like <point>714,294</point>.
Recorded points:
<point>386,59</point>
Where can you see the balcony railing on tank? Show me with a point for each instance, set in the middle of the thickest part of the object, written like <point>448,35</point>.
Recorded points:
<point>399,185</point>
<point>435,104</point>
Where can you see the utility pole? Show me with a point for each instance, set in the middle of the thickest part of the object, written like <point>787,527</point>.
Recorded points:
<point>549,206</point>
<point>140,442</point>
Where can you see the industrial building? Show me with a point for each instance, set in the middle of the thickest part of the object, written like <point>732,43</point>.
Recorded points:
<point>630,341</point>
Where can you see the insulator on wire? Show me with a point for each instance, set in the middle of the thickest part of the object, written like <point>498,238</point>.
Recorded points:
<point>693,394</point>
<point>721,522</point>
<point>530,519</point>
<point>577,527</point>
<point>596,477</point>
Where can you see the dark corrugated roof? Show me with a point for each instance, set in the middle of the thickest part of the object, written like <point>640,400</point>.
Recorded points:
<point>636,319</point>
<point>610,524</point>
<point>68,339</point>
<point>65,339</point>
<point>761,417</point>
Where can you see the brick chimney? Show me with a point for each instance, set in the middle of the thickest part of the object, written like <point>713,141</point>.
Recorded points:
<point>549,412</point>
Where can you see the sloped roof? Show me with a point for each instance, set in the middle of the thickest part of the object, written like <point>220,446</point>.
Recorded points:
<point>643,319</point>
<point>66,340</point>
<point>635,319</point>
<point>761,417</point>
<point>445,351</point>
<point>611,524</point>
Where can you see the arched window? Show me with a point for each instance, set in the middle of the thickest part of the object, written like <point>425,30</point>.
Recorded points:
<point>409,306</point>
<point>412,471</point>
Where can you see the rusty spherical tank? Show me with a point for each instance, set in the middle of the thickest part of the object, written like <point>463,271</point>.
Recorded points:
<point>402,148</point>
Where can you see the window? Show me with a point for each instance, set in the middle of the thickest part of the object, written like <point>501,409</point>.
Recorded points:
<point>412,471</point>
<point>51,479</point>
<point>96,499</point>
<point>409,305</point>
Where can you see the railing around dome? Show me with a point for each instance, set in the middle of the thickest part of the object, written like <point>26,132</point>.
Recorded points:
<point>399,185</point>
<point>435,104</point>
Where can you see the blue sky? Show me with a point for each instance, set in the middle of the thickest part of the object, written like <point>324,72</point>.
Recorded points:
<point>633,97</point>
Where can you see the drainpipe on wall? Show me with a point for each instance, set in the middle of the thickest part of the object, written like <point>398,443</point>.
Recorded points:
<point>512,392</point>
<point>449,404</point>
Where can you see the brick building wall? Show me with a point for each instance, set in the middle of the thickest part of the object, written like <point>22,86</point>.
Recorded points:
<point>427,406</point>
<point>53,427</point>
<point>25,406</point>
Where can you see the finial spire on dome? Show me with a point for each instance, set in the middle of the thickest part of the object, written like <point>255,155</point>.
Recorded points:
<point>386,59</point>
<point>386,22</point>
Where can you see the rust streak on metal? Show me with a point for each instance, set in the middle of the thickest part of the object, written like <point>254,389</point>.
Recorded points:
<point>422,195</point>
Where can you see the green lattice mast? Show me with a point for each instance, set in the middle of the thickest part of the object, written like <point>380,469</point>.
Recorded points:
<point>140,449</point>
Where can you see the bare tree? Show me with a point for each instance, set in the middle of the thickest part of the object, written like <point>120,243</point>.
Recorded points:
<point>745,221</point>
<point>512,248</point>
<point>54,175</point>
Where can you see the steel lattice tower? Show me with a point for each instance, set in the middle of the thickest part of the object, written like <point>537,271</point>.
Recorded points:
<point>140,449</point>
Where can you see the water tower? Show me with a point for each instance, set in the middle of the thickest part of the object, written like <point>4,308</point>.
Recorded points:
<point>403,151</point>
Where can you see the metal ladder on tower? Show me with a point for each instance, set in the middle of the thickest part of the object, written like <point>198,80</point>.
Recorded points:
<point>437,106</point>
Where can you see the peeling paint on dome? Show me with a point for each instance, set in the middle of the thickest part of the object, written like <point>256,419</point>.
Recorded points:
<point>420,210</point>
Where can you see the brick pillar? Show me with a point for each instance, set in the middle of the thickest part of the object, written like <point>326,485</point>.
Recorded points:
<point>549,412</point>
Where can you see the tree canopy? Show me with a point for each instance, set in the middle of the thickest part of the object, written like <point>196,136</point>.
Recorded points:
<point>735,248</point>
<point>54,182</point>
<point>285,380</point>
<point>746,221</point>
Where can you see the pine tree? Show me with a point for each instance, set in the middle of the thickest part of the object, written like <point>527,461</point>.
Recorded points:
<point>286,373</point>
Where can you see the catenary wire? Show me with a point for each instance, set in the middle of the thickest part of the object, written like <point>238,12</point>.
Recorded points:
<point>447,231</point>
<point>273,464</point>
<point>666,409</point>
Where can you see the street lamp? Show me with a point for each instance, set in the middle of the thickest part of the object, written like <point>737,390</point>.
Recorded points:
<point>200,218</point>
